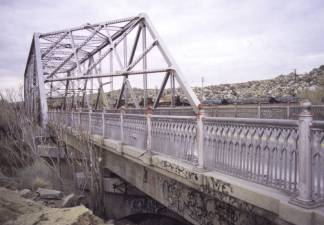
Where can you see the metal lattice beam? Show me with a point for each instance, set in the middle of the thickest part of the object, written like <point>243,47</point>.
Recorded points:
<point>66,60</point>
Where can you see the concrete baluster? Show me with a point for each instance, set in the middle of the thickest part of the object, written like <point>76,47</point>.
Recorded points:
<point>288,111</point>
<point>122,113</point>
<point>200,137</point>
<point>60,117</point>
<point>304,186</point>
<point>103,122</point>
<point>235,110</point>
<point>72,117</point>
<point>148,114</point>
<point>79,119</point>
<point>89,120</point>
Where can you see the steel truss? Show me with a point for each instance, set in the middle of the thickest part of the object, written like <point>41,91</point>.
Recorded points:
<point>68,65</point>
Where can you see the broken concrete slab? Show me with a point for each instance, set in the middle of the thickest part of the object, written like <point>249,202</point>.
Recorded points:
<point>25,192</point>
<point>45,193</point>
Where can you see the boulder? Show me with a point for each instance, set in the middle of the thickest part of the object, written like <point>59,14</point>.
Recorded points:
<point>12,205</point>
<point>25,192</point>
<point>60,216</point>
<point>45,193</point>
<point>16,210</point>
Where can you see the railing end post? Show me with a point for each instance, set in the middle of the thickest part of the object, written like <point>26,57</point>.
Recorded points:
<point>103,122</point>
<point>148,115</point>
<point>200,136</point>
<point>305,193</point>
<point>122,113</point>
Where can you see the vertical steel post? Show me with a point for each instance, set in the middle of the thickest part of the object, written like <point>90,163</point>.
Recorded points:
<point>144,65</point>
<point>111,69</point>
<point>200,136</point>
<point>125,66</point>
<point>172,84</point>
<point>40,76</point>
<point>305,198</point>
<point>288,111</point>
<point>259,110</point>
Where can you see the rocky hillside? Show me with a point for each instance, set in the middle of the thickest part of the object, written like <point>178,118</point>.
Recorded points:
<point>283,85</point>
<point>280,86</point>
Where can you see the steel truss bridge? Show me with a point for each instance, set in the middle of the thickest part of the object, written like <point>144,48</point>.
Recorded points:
<point>76,65</point>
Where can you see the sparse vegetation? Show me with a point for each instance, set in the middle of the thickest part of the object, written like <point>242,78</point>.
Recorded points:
<point>316,96</point>
<point>40,182</point>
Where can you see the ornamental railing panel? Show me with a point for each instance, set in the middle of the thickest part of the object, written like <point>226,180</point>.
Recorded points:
<point>135,131</point>
<point>317,133</point>
<point>112,126</point>
<point>253,150</point>
<point>175,136</point>
<point>284,154</point>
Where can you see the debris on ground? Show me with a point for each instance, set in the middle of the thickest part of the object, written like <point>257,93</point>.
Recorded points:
<point>25,192</point>
<point>17,210</point>
<point>79,215</point>
<point>70,200</point>
<point>45,193</point>
<point>12,205</point>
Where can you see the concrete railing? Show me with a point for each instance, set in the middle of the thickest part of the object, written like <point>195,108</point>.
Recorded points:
<point>284,154</point>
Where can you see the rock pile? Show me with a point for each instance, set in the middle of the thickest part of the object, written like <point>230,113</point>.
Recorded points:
<point>16,210</point>
<point>280,86</point>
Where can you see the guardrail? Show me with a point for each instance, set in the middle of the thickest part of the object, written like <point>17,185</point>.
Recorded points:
<point>283,154</point>
<point>260,111</point>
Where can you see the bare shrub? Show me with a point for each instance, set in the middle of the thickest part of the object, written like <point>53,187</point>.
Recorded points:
<point>315,96</point>
<point>19,139</point>
<point>40,182</point>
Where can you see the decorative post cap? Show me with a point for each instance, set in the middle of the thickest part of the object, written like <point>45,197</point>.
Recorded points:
<point>149,109</point>
<point>306,106</point>
<point>201,110</point>
<point>122,109</point>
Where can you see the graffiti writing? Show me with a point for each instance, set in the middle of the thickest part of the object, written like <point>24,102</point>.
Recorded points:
<point>180,170</point>
<point>146,205</point>
<point>211,205</point>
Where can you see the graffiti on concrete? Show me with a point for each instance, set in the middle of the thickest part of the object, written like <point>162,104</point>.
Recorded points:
<point>216,187</point>
<point>179,170</point>
<point>146,205</point>
<point>211,205</point>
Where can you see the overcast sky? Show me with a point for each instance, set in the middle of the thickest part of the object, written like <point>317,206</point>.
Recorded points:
<point>225,41</point>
